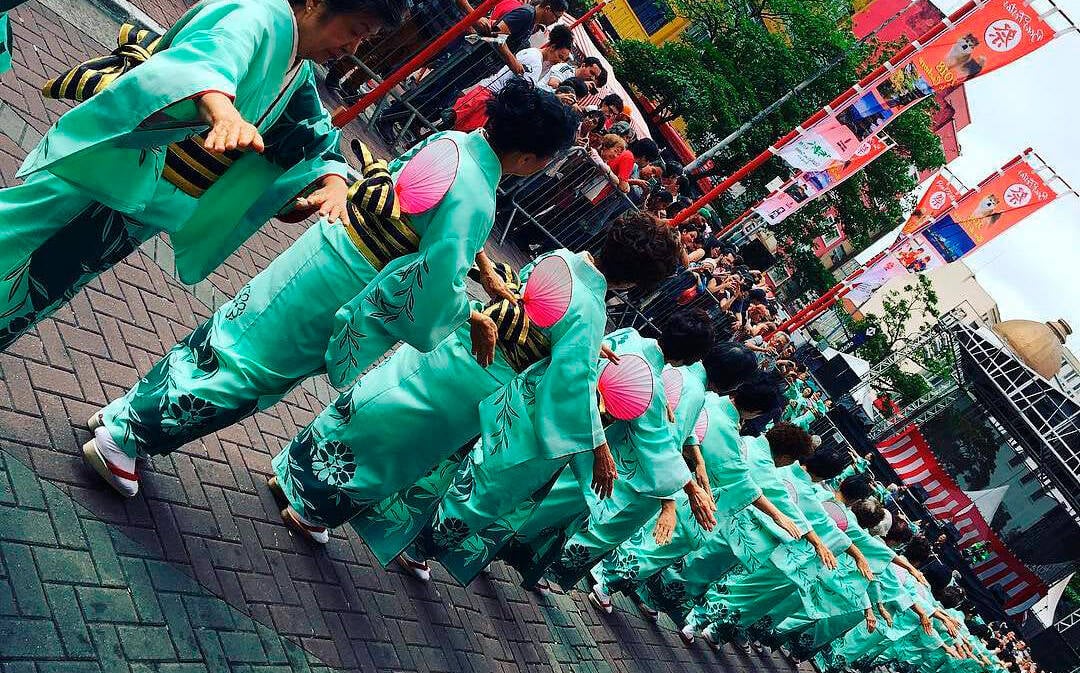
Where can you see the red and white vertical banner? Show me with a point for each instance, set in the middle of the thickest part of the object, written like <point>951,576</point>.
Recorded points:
<point>808,185</point>
<point>911,458</point>
<point>979,38</point>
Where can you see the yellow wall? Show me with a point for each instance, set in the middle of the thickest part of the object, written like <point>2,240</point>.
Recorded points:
<point>626,24</point>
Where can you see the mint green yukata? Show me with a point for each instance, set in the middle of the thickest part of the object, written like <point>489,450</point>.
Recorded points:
<point>675,589</point>
<point>287,323</point>
<point>403,418</point>
<point>651,468</point>
<point>842,596</point>
<point>96,185</point>
<point>5,37</point>
<point>753,602</point>
<point>539,542</point>
<point>639,558</point>
<point>892,588</point>
<point>529,431</point>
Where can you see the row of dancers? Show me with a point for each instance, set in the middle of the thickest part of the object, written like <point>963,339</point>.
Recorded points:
<point>510,428</point>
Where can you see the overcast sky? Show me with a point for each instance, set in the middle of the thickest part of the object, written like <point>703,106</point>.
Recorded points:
<point>1033,270</point>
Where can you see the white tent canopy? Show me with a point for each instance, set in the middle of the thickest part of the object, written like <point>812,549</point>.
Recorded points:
<point>1046,608</point>
<point>988,500</point>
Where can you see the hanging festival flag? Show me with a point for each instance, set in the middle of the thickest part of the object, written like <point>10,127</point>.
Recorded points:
<point>979,38</point>
<point>982,214</point>
<point>940,196</point>
<point>808,185</point>
<point>1018,189</point>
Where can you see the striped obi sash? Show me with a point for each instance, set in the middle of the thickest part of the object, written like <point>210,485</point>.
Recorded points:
<point>520,341</point>
<point>188,165</point>
<point>375,224</point>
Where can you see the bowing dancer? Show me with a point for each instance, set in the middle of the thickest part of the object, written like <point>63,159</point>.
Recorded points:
<point>530,430</point>
<point>733,489</point>
<point>346,463</point>
<point>208,138</point>
<point>722,370</point>
<point>343,294</point>
<point>740,600</point>
<point>634,563</point>
<point>572,527</point>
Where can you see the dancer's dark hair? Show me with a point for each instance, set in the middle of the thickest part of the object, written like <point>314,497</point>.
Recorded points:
<point>686,336</point>
<point>857,487</point>
<point>786,439</point>
<point>728,365</point>
<point>524,118</point>
<point>638,250</point>
<point>827,463</point>
<point>389,13</point>
<point>869,512</point>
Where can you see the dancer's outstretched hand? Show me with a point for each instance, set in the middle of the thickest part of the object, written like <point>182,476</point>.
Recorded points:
<point>604,475</point>
<point>228,130</point>
<point>701,504</point>
<point>608,354</point>
<point>828,559</point>
<point>484,336</point>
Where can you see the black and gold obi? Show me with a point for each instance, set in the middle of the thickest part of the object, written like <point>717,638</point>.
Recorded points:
<point>188,165</point>
<point>378,228</point>
<point>520,341</point>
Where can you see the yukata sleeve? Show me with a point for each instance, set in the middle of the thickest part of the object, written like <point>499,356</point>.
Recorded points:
<point>567,420</point>
<point>304,134</point>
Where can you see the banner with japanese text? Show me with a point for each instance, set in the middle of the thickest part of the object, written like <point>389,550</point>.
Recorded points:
<point>808,185</point>
<point>985,212</point>
<point>941,195</point>
<point>978,39</point>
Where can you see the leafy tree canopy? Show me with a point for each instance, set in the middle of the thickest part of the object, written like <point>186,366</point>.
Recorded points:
<point>737,59</point>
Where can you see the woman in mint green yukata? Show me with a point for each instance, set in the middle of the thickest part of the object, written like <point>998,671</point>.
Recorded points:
<point>346,464</point>
<point>723,369</point>
<point>633,564</point>
<point>742,599</point>
<point>344,293</point>
<point>571,528</point>
<point>205,140</point>
<point>723,449</point>
<point>530,430</point>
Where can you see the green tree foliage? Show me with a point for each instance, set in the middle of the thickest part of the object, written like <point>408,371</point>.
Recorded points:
<point>740,57</point>
<point>890,331</point>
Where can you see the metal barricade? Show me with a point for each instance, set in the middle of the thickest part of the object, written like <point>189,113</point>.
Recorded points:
<point>567,205</point>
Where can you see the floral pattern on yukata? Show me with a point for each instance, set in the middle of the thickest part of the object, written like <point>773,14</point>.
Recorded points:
<point>95,240</point>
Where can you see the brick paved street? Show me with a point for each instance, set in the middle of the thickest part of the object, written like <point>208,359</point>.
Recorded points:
<point>198,573</point>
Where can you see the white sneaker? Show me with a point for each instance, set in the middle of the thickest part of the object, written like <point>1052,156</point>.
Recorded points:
<point>687,634</point>
<point>600,598</point>
<point>418,569</point>
<point>306,529</point>
<point>114,466</point>
<point>95,421</point>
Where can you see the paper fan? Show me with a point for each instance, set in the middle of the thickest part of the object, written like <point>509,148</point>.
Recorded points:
<point>427,176</point>
<point>836,513</point>
<point>673,381</point>
<point>701,425</point>
<point>792,492</point>
<point>626,388</point>
<point>548,291</point>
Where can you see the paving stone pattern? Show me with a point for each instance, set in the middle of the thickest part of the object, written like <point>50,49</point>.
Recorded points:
<point>198,573</point>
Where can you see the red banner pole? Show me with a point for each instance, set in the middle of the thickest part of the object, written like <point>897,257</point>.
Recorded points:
<point>593,11</point>
<point>719,189</point>
<point>398,76</point>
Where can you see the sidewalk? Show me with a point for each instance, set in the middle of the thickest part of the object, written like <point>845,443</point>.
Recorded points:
<point>198,573</point>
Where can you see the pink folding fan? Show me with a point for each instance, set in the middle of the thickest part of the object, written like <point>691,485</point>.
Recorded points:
<point>701,425</point>
<point>427,176</point>
<point>626,388</point>
<point>548,291</point>
<point>836,513</point>
<point>673,380</point>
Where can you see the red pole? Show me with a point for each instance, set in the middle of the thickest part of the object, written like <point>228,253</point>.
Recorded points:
<point>398,76</point>
<point>719,189</point>
<point>593,11</point>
